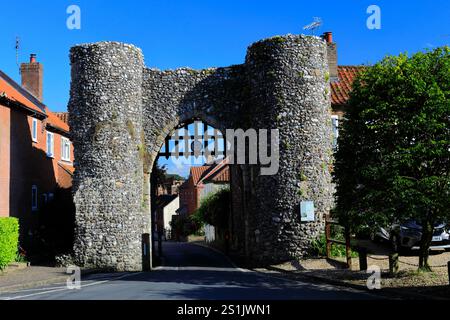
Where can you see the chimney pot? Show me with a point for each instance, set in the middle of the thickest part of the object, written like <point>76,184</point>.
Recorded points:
<point>33,58</point>
<point>328,36</point>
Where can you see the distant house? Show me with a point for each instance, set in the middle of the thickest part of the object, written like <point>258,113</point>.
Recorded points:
<point>171,185</point>
<point>166,208</point>
<point>216,181</point>
<point>202,181</point>
<point>36,154</point>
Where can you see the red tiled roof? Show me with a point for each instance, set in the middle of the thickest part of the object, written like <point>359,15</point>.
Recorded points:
<point>63,116</point>
<point>340,89</point>
<point>198,172</point>
<point>56,122</point>
<point>12,91</point>
<point>222,175</point>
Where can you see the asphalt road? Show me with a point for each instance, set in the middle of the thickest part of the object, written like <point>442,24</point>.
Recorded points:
<point>189,272</point>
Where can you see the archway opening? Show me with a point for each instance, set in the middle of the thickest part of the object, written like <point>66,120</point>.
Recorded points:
<point>190,193</point>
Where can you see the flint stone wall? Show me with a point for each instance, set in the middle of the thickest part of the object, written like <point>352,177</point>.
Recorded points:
<point>121,112</point>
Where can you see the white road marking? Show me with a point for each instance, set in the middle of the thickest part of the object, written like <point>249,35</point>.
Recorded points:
<point>65,288</point>
<point>167,268</point>
<point>318,285</point>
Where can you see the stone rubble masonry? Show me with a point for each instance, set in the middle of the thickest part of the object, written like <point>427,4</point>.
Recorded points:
<point>121,112</point>
<point>105,118</point>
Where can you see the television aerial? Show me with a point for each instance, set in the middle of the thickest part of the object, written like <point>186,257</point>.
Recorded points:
<point>17,47</point>
<point>313,25</point>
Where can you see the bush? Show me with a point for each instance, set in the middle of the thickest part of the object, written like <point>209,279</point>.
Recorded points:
<point>184,226</point>
<point>215,209</point>
<point>9,240</point>
<point>319,248</point>
<point>197,224</point>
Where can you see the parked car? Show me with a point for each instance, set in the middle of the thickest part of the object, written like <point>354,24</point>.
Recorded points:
<point>408,235</point>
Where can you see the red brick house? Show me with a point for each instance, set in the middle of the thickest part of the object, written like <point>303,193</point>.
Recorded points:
<point>202,181</point>
<point>36,155</point>
<point>341,79</point>
<point>170,186</point>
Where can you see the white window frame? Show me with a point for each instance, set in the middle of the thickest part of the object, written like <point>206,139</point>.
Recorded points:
<point>34,197</point>
<point>51,152</point>
<point>65,141</point>
<point>335,127</point>
<point>34,130</point>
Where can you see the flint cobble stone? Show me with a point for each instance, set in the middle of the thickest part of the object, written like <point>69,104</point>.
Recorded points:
<point>121,112</point>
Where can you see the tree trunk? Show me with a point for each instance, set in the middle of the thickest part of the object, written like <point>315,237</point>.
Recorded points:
<point>427,236</point>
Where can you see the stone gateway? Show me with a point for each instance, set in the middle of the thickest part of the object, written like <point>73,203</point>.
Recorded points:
<point>121,112</point>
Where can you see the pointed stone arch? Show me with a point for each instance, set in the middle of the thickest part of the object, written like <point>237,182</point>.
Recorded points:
<point>121,112</point>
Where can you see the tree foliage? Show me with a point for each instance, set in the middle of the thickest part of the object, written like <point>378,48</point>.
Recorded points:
<point>215,209</point>
<point>160,174</point>
<point>186,225</point>
<point>174,176</point>
<point>393,159</point>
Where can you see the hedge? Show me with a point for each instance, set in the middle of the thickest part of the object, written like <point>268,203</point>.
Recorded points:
<point>9,239</point>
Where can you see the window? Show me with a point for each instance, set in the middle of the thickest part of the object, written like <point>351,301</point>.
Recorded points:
<point>34,198</point>
<point>34,129</point>
<point>50,145</point>
<point>335,125</point>
<point>65,149</point>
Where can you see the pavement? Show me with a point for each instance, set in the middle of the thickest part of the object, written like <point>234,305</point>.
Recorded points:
<point>30,277</point>
<point>189,272</point>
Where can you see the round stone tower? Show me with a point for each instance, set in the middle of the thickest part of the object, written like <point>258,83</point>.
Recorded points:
<point>105,122</point>
<point>289,91</point>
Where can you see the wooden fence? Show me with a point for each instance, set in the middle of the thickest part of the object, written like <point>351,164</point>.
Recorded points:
<point>330,241</point>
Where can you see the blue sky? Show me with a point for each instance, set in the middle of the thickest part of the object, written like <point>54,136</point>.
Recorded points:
<point>208,33</point>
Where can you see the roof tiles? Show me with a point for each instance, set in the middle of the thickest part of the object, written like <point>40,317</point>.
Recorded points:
<point>56,122</point>
<point>12,91</point>
<point>340,90</point>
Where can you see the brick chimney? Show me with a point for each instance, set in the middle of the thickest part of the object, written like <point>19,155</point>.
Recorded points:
<point>32,77</point>
<point>332,55</point>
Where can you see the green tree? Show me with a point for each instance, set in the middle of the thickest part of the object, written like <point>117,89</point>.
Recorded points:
<point>393,159</point>
<point>160,174</point>
<point>186,225</point>
<point>174,176</point>
<point>215,209</point>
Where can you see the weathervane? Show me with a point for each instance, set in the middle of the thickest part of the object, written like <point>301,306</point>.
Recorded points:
<point>313,25</point>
